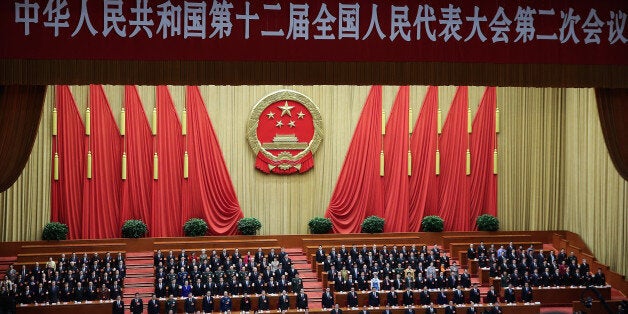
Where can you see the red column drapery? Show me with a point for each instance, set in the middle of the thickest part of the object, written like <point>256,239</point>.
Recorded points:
<point>168,144</point>
<point>359,189</point>
<point>67,193</point>
<point>454,192</point>
<point>211,187</point>
<point>483,189</point>
<point>396,182</point>
<point>136,189</point>
<point>101,200</point>
<point>424,182</point>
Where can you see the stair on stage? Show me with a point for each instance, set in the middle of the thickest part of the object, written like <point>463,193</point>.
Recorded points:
<point>140,276</point>
<point>312,287</point>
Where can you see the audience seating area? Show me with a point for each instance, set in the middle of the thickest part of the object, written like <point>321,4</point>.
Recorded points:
<point>406,272</point>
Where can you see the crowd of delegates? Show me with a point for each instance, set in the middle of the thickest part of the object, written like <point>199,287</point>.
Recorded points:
<point>518,267</point>
<point>221,274</point>
<point>73,278</point>
<point>373,268</point>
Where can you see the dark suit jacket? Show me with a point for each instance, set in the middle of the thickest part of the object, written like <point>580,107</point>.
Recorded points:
<point>373,299</point>
<point>137,307</point>
<point>408,299</point>
<point>302,301</point>
<point>327,300</point>
<point>284,302</point>
<point>391,298</point>
<point>189,306</point>
<point>509,295</point>
<point>430,311</point>
<point>352,299</point>
<point>117,308</point>
<point>334,311</point>
<point>245,304</point>
<point>208,304</point>
<point>153,307</point>
<point>263,303</point>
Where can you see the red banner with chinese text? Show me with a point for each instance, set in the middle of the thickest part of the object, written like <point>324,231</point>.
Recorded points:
<point>522,31</point>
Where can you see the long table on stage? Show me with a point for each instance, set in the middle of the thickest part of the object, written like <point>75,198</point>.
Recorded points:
<point>363,296</point>
<point>518,308</point>
<point>95,307</point>
<point>560,295</point>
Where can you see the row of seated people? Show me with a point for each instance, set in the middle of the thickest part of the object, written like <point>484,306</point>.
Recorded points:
<point>67,279</point>
<point>226,302</point>
<point>237,279</point>
<point>409,297</point>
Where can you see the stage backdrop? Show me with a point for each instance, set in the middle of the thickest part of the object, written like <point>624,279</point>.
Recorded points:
<point>554,170</point>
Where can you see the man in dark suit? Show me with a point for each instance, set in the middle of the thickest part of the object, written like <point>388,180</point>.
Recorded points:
<point>160,288</point>
<point>458,297</point>
<point>409,310</point>
<point>408,297</point>
<point>208,303</point>
<point>302,300</point>
<point>474,294</point>
<point>336,310</point>
<point>373,298</point>
<point>364,310</point>
<point>117,307</point>
<point>441,299</point>
<point>496,309</point>
<point>171,305</point>
<point>430,309</point>
<point>153,305</point>
<point>509,294</point>
<point>189,307</point>
<point>53,293</point>
<point>526,293</point>
<point>491,295</point>
<point>472,309</point>
<point>245,303</point>
<point>352,299</point>
<point>424,297</point>
<point>450,308</point>
<point>391,297</point>
<point>284,302</point>
<point>327,299</point>
<point>263,303</point>
<point>137,305</point>
<point>387,310</point>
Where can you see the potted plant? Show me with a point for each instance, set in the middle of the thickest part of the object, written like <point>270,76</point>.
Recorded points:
<point>432,224</point>
<point>134,229</point>
<point>487,222</point>
<point>55,231</point>
<point>320,225</point>
<point>249,225</point>
<point>373,224</point>
<point>195,227</point>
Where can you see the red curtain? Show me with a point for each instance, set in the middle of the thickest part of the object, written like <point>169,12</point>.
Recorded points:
<point>396,147</point>
<point>424,182</point>
<point>20,111</point>
<point>101,200</point>
<point>209,193</point>
<point>166,190</point>
<point>483,142</point>
<point>359,189</point>
<point>613,111</point>
<point>454,192</point>
<point>69,144</point>
<point>136,189</point>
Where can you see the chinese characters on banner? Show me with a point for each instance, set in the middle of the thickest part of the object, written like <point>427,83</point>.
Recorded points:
<point>568,31</point>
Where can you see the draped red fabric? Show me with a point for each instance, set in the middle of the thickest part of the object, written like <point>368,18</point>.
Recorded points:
<point>166,190</point>
<point>67,193</point>
<point>20,111</point>
<point>613,112</point>
<point>483,142</point>
<point>454,192</point>
<point>136,189</point>
<point>359,189</point>
<point>396,147</point>
<point>101,194</point>
<point>210,192</point>
<point>424,182</point>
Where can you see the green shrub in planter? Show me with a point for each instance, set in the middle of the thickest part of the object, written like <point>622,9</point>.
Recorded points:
<point>432,224</point>
<point>249,225</point>
<point>320,225</point>
<point>55,231</point>
<point>195,227</point>
<point>134,229</point>
<point>373,224</point>
<point>487,222</point>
